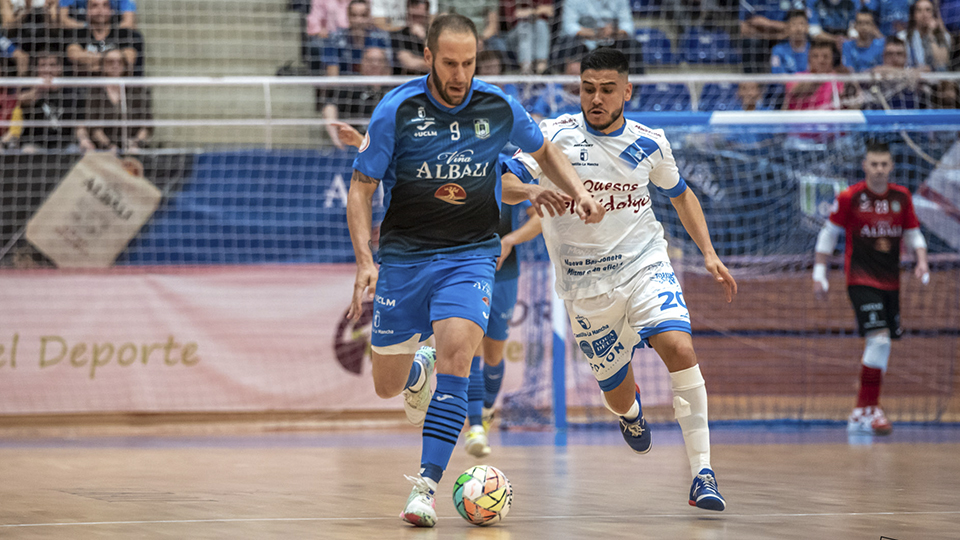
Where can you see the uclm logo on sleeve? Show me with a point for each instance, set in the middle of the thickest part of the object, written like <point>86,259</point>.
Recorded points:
<point>451,193</point>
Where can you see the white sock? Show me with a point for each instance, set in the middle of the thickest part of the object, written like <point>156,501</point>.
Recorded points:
<point>630,415</point>
<point>690,409</point>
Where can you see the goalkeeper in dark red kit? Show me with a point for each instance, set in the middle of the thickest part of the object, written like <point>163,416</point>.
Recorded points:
<point>876,216</point>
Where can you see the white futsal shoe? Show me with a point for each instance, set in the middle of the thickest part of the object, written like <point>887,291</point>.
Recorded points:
<point>476,442</point>
<point>421,509</point>
<point>416,403</point>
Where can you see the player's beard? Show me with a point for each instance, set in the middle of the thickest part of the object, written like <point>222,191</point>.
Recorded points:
<point>613,118</point>
<point>443,91</point>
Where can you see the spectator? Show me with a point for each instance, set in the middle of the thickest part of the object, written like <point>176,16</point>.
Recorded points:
<point>790,56</point>
<point>356,103</point>
<point>830,20</point>
<point>557,99</point>
<point>892,15</point>
<point>104,104</point>
<point>866,52</point>
<point>816,95</point>
<point>10,111</point>
<point>88,44</point>
<point>763,23</point>
<point>750,96</point>
<point>899,86</point>
<point>592,23</point>
<point>529,34</point>
<point>485,14</point>
<point>326,17</point>
<point>52,105</point>
<point>927,39</point>
<point>343,50</point>
<point>31,23</point>
<point>75,13</point>
<point>490,63</point>
<point>393,15</point>
<point>408,43</point>
<point>10,50</point>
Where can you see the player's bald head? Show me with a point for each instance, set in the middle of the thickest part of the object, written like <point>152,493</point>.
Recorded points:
<point>449,22</point>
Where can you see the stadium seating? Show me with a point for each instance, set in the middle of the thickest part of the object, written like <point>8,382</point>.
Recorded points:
<point>657,49</point>
<point>660,98</point>
<point>702,46</point>
<point>718,97</point>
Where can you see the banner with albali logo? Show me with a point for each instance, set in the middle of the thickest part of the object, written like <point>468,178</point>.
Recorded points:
<point>223,338</point>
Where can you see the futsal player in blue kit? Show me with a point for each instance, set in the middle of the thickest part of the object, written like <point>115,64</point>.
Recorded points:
<point>486,373</point>
<point>433,142</point>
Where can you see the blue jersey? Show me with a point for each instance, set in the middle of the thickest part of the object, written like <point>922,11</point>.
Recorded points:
<point>889,12</point>
<point>439,170</point>
<point>511,217</point>
<point>783,59</point>
<point>7,47</point>
<point>858,59</point>
<point>833,16</point>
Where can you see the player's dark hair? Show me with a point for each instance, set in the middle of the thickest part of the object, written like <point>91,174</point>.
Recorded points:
<point>872,14</point>
<point>453,22</point>
<point>877,147</point>
<point>605,58</point>
<point>796,13</point>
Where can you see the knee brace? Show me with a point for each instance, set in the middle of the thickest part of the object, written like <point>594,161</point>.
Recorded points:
<point>876,353</point>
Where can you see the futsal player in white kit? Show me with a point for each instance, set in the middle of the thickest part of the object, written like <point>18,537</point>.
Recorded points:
<point>615,277</point>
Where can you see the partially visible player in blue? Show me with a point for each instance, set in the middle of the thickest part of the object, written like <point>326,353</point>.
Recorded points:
<point>434,142</point>
<point>486,373</point>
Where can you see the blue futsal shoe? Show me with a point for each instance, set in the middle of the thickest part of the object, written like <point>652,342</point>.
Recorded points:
<point>636,433</point>
<point>704,493</point>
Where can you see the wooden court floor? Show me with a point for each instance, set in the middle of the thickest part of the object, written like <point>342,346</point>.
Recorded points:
<point>779,483</point>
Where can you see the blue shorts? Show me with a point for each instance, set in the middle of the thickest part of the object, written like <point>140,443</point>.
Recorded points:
<point>504,299</point>
<point>411,296</point>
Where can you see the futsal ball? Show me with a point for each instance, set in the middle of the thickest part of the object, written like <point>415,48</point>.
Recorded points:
<point>482,495</point>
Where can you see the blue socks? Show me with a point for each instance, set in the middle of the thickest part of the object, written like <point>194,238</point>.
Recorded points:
<point>475,393</point>
<point>441,428</point>
<point>492,378</point>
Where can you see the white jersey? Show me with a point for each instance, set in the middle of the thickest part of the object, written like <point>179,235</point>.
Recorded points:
<point>594,259</point>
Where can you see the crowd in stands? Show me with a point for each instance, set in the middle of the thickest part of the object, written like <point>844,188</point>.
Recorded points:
<point>895,39</point>
<point>71,38</point>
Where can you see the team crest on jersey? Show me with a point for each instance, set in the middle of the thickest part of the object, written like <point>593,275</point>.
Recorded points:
<point>482,128</point>
<point>365,143</point>
<point>895,206</point>
<point>584,155</point>
<point>451,193</point>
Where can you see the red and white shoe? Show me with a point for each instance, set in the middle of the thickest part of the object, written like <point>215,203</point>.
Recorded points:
<point>869,420</point>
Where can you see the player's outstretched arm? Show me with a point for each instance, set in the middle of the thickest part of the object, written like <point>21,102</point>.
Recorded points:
<point>359,221</point>
<point>527,231</point>
<point>555,165</point>
<point>691,216</point>
<point>514,191</point>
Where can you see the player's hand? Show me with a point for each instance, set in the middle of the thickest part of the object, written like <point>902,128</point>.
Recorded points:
<point>722,275</point>
<point>820,289</point>
<point>345,135</point>
<point>922,271</point>
<point>555,202</point>
<point>589,210</point>
<point>505,248</point>
<point>364,288</point>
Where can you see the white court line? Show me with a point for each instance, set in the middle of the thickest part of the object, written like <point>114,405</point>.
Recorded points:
<point>512,518</point>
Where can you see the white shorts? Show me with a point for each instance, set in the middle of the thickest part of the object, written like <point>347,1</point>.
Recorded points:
<point>609,326</point>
